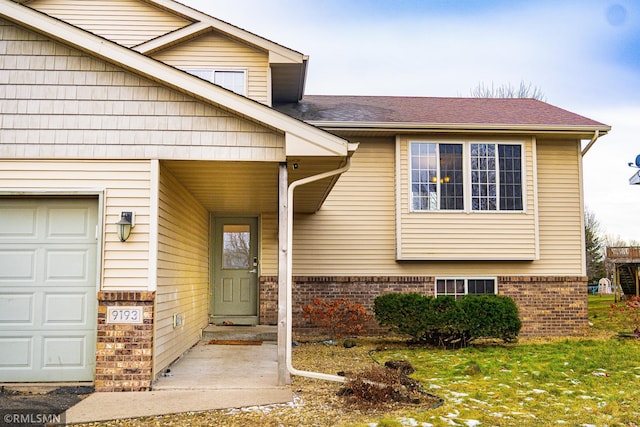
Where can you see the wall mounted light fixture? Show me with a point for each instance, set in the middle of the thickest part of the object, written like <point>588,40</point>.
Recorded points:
<point>125,225</point>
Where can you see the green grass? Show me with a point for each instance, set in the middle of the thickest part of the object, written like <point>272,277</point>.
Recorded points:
<point>602,318</point>
<point>590,381</point>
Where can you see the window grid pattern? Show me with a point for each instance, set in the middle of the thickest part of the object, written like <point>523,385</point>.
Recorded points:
<point>459,287</point>
<point>483,177</point>
<point>424,176</point>
<point>451,177</point>
<point>438,177</point>
<point>510,177</point>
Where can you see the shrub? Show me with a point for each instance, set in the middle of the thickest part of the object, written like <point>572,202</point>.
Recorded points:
<point>447,322</point>
<point>491,316</point>
<point>630,310</point>
<point>338,316</point>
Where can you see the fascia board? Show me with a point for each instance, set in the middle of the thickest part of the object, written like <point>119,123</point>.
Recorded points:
<point>232,30</point>
<point>167,75</point>
<point>458,127</point>
<point>171,38</point>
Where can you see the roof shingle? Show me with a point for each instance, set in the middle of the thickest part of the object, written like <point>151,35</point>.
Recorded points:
<point>433,110</point>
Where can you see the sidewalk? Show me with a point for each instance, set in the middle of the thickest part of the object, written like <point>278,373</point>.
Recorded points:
<point>207,377</point>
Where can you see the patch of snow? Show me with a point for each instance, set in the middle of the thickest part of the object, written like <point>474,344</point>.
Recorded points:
<point>410,422</point>
<point>456,394</point>
<point>538,391</point>
<point>434,386</point>
<point>472,423</point>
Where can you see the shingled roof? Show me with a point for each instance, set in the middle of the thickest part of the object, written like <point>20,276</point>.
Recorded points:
<point>473,112</point>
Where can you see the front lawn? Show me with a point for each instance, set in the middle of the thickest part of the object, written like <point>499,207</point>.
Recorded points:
<point>588,381</point>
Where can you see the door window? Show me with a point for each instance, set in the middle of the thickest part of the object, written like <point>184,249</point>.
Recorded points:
<point>236,252</point>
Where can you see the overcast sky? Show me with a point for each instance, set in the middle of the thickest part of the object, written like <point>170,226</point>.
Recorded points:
<point>583,54</point>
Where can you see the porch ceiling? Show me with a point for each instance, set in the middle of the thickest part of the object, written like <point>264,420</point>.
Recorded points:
<point>252,187</point>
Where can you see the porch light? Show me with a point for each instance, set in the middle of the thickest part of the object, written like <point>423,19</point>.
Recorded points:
<point>125,225</point>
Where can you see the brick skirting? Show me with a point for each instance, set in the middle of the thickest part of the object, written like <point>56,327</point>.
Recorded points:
<point>548,305</point>
<point>124,351</point>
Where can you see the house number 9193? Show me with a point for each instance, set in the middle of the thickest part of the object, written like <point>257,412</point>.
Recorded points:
<point>131,315</point>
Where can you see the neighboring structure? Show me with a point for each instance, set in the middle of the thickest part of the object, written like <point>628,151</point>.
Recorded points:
<point>119,114</point>
<point>626,274</point>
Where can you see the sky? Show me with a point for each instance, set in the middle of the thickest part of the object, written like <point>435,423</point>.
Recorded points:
<point>584,55</point>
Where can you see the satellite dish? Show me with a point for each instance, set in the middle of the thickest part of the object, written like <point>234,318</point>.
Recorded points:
<point>638,160</point>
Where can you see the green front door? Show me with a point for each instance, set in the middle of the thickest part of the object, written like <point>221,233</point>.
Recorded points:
<point>235,277</point>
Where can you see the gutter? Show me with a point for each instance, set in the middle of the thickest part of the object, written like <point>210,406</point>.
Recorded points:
<point>292,187</point>
<point>595,137</point>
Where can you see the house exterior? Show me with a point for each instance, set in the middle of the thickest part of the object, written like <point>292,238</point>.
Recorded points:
<point>202,131</point>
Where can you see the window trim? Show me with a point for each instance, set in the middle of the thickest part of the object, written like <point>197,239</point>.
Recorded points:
<point>213,70</point>
<point>466,284</point>
<point>466,162</point>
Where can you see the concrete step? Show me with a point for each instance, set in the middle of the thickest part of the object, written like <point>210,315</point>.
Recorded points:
<point>241,333</point>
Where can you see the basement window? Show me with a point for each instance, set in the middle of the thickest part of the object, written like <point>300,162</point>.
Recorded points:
<point>459,287</point>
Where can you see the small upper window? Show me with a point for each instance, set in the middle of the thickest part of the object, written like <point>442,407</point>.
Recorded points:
<point>234,80</point>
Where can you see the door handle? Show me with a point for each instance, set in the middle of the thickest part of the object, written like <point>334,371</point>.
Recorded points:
<point>254,270</point>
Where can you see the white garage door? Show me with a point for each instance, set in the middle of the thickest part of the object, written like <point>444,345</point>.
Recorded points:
<point>47,289</point>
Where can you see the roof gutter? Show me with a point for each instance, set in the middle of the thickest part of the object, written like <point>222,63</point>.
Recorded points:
<point>292,187</point>
<point>412,126</point>
<point>596,135</point>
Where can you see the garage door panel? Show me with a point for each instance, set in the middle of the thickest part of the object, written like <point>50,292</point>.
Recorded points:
<point>64,351</point>
<point>67,224</point>
<point>15,309</point>
<point>65,308</point>
<point>67,266</point>
<point>15,352</point>
<point>17,265</point>
<point>18,223</point>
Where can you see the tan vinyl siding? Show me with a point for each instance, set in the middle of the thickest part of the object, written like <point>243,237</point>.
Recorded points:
<point>183,271</point>
<point>354,232</point>
<point>59,103</point>
<point>125,185</point>
<point>559,186</point>
<point>127,22</point>
<point>215,51</point>
<point>269,244</point>
<point>466,235</point>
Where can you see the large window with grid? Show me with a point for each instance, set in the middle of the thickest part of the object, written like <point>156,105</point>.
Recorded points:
<point>468,176</point>
<point>459,287</point>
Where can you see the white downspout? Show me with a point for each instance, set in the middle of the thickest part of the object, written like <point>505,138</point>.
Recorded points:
<point>595,137</point>
<point>292,187</point>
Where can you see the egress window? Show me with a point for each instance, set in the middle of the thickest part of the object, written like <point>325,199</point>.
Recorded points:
<point>440,181</point>
<point>459,287</point>
<point>234,80</point>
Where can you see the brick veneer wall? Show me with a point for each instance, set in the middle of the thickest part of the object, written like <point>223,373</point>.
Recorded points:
<point>548,305</point>
<point>358,289</point>
<point>123,351</point>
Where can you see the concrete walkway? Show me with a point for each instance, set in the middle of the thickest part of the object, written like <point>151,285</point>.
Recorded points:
<point>205,378</point>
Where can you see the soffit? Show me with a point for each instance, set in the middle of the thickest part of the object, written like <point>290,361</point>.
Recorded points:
<point>251,187</point>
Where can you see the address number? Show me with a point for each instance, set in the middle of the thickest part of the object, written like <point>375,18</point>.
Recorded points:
<point>131,315</point>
